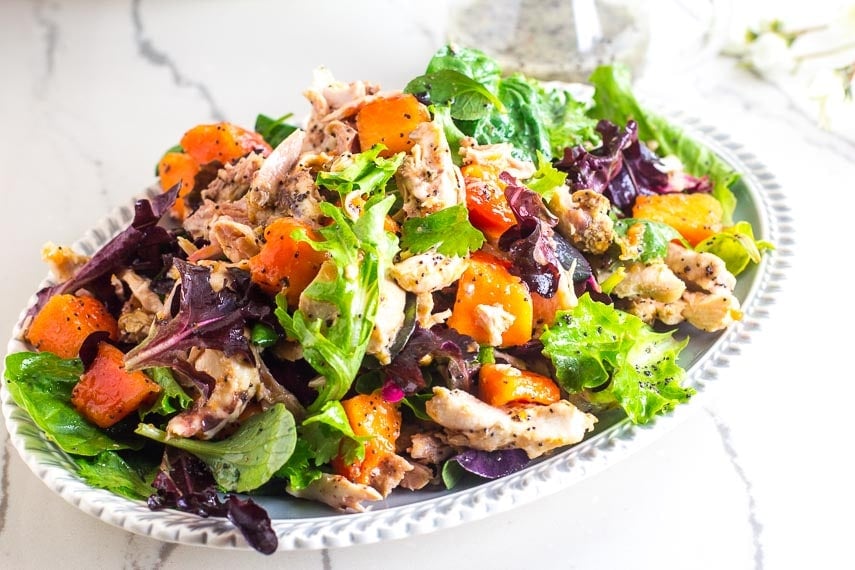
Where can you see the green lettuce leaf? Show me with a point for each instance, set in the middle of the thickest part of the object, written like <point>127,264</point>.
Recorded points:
<point>41,383</point>
<point>367,172</point>
<point>736,246</point>
<point>360,253</point>
<point>597,346</point>
<point>246,459</point>
<point>546,179</point>
<point>172,397</point>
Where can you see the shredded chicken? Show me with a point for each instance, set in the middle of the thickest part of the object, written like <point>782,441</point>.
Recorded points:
<point>198,224</point>
<point>237,382</point>
<point>583,218</point>
<point>428,272</point>
<point>282,187</point>
<point>427,447</point>
<point>700,270</point>
<point>388,321</point>
<point>62,260</point>
<point>419,477</point>
<point>495,321</point>
<point>337,492</point>
<point>707,301</point>
<point>654,281</point>
<point>428,179</point>
<point>535,429</point>
<point>496,156</point>
<point>711,311</point>
<point>233,180</point>
<point>389,473</point>
<point>237,241</point>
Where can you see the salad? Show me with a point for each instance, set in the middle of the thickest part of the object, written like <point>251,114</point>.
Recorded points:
<point>444,281</point>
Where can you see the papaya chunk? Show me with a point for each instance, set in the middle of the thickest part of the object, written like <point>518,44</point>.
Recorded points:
<point>491,305</point>
<point>285,264</point>
<point>221,142</point>
<point>696,216</point>
<point>106,392</point>
<point>370,415</point>
<point>502,384</point>
<point>389,121</point>
<point>66,320</point>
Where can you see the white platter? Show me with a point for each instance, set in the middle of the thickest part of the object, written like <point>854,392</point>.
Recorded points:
<point>303,525</point>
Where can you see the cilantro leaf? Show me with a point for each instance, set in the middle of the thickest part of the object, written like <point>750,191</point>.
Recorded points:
<point>447,231</point>
<point>654,237</point>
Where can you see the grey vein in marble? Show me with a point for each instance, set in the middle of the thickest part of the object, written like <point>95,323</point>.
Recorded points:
<point>325,559</point>
<point>4,481</point>
<point>50,33</point>
<point>753,521</point>
<point>160,58</point>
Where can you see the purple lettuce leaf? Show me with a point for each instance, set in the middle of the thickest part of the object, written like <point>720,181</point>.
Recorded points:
<point>141,240</point>
<point>454,353</point>
<point>186,483</point>
<point>492,464</point>
<point>529,243</point>
<point>205,319</point>
<point>622,169</point>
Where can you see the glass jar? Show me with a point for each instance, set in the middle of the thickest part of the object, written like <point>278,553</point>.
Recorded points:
<point>563,40</point>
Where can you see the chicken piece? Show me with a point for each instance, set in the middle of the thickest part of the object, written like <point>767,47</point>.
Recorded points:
<point>233,180</point>
<point>198,224</point>
<point>237,241</point>
<point>330,127</point>
<point>583,218</point>
<point>653,281</point>
<point>389,473</point>
<point>538,429</point>
<point>495,320</point>
<point>429,448</point>
<point>428,179</point>
<point>711,311</point>
<point>62,260</point>
<point>498,156</point>
<point>419,477</point>
<point>282,187</point>
<point>388,321</point>
<point>650,311</point>
<point>428,272</point>
<point>236,383</point>
<point>134,324</point>
<point>141,291</point>
<point>337,492</point>
<point>700,270</point>
<point>425,316</point>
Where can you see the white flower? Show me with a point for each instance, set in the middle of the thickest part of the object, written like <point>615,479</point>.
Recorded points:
<point>769,54</point>
<point>828,90</point>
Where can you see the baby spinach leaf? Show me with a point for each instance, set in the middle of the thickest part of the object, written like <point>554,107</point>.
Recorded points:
<point>274,131</point>
<point>249,457</point>
<point>41,384</point>
<point>108,470</point>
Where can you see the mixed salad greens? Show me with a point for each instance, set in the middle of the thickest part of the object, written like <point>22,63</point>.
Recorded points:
<point>444,281</point>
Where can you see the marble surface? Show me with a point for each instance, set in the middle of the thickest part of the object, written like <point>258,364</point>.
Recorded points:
<point>759,477</point>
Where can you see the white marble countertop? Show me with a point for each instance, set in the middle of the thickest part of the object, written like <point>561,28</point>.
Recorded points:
<point>759,477</point>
